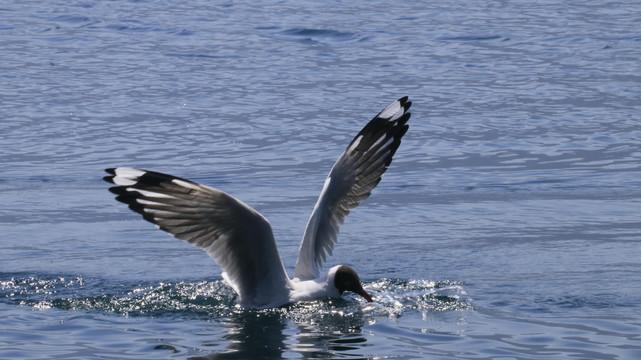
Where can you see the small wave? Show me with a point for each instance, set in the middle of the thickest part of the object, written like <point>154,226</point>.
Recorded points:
<point>203,56</point>
<point>593,301</point>
<point>472,38</point>
<point>316,34</point>
<point>72,19</point>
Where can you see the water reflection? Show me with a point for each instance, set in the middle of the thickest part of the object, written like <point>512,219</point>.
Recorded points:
<point>286,333</point>
<point>332,331</point>
<point>253,335</point>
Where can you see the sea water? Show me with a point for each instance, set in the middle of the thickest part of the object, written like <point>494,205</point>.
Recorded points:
<point>507,227</point>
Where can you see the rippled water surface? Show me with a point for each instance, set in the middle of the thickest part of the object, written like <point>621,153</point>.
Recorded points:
<point>507,227</point>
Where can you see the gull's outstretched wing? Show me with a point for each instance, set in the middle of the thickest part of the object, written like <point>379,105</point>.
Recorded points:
<point>234,234</point>
<point>356,172</point>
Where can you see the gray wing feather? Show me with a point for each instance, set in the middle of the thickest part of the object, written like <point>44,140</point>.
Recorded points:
<point>352,178</point>
<point>234,234</point>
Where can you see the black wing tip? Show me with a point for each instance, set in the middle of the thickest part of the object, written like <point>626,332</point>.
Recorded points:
<point>118,190</point>
<point>379,126</point>
<point>404,118</point>
<point>131,199</point>
<point>154,178</point>
<point>110,178</point>
<point>405,103</point>
<point>146,178</point>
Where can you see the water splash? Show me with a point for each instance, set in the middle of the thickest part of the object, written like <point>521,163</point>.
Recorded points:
<point>214,299</point>
<point>398,297</point>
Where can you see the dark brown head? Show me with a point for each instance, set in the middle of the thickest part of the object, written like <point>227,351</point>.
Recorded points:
<point>346,279</point>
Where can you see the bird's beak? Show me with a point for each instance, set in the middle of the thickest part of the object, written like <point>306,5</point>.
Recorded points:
<point>364,294</point>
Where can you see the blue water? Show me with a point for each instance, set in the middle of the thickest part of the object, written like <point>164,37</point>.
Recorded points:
<point>507,227</point>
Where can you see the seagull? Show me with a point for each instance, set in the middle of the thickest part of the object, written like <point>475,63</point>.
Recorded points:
<point>241,240</point>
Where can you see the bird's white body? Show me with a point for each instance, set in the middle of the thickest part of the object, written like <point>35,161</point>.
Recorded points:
<point>322,287</point>
<point>241,240</point>
<point>295,291</point>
